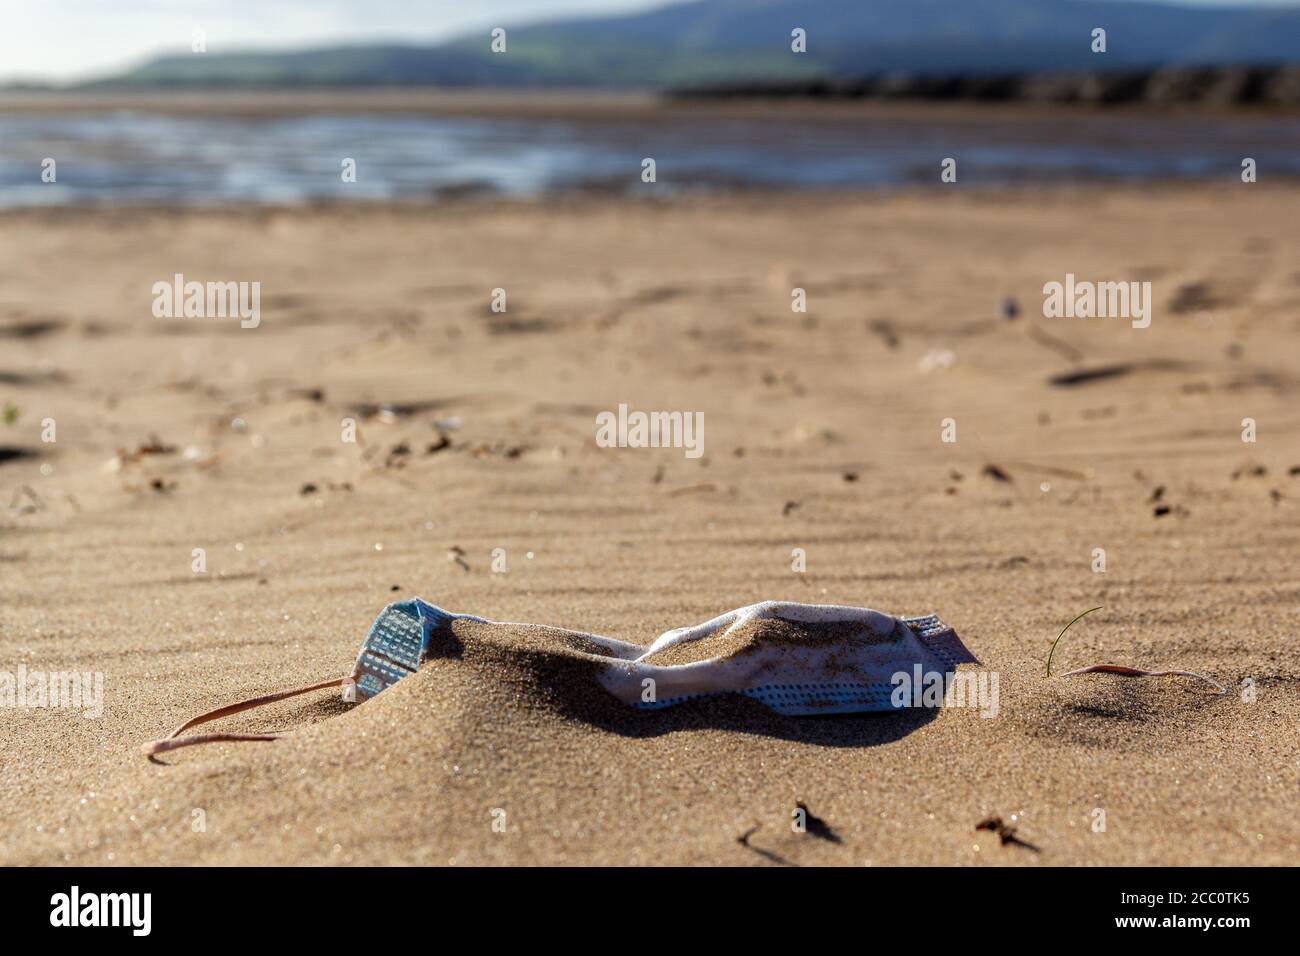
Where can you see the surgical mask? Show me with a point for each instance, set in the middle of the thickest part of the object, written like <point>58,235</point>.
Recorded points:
<point>798,659</point>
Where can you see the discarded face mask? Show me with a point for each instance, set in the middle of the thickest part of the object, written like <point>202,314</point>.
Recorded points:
<point>798,659</point>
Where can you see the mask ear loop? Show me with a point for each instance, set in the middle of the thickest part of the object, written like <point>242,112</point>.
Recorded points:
<point>175,741</point>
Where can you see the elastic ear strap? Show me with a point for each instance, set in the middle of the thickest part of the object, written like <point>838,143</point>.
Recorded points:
<point>175,741</point>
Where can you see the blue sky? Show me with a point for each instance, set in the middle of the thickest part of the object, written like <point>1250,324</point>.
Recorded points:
<point>73,39</point>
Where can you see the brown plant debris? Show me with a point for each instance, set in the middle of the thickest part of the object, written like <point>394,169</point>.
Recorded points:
<point>1125,671</point>
<point>1006,832</point>
<point>154,446</point>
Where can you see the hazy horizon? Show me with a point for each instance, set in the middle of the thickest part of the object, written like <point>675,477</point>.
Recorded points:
<point>67,45</point>
<point>74,41</point>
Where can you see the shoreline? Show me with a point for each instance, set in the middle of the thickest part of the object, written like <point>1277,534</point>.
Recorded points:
<point>579,105</point>
<point>722,198</point>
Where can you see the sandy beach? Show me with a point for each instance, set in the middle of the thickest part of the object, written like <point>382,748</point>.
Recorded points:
<point>823,432</point>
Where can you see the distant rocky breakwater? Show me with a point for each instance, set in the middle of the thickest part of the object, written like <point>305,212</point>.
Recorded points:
<point>1230,86</point>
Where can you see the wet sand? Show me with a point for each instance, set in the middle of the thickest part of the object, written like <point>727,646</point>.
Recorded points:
<point>823,433</point>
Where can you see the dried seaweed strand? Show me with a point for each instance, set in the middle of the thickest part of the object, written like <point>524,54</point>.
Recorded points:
<point>1138,672</point>
<point>176,741</point>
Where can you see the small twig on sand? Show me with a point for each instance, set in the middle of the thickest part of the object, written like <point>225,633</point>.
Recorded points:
<point>1138,672</point>
<point>1061,635</point>
<point>1006,833</point>
<point>1065,349</point>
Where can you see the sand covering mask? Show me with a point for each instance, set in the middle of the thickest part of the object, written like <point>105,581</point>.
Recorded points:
<point>798,659</point>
